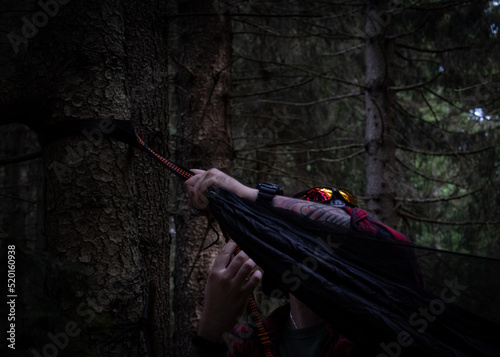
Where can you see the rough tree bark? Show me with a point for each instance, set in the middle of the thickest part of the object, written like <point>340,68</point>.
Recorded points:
<point>379,105</point>
<point>204,141</point>
<point>106,221</point>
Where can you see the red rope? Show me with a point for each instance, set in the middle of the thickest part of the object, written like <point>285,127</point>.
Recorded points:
<point>185,174</point>
<point>182,173</point>
<point>264,338</point>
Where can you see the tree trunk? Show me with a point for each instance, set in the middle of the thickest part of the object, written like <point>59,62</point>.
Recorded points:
<point>105,203</point>
<point>204,141</point>
<point>379,105</point>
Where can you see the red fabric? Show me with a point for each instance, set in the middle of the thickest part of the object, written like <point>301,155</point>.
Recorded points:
<point>361,221</point>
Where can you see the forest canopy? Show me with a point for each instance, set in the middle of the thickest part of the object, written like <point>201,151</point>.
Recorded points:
<point>396,101</point>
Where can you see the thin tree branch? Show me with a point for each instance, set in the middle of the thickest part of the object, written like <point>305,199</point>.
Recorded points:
<point>473,86</point>
<point>265,163</point>
<point>273,90</point>
<point>435,199</point>
<point>434,153</point>
<point>348,95</point>
<point>415,86</point>
<point>411,32</point>
<point>303,69</point>
<point>444,222</point>
<point>449,101</point>
<point>429,106</point>
<point>334,148</point>
<point>205,14</point>
<point>20,158</point>
<point>302,141</point>
<point>187,69</point>
<point>439,6</point>
<point>19,199</point>
<point>414,170</point>
<point>280,175</point>
<point>348,157</point>
<point>425,50</point>
<point>408,59</point>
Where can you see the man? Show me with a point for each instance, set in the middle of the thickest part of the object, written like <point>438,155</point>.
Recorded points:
<point>295,330</point>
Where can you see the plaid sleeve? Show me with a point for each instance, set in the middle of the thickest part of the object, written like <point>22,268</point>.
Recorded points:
<point>242,342</point>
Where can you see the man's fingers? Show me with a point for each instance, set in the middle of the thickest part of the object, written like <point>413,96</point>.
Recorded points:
<point>197,195</point>
<point>245,270</point>
<point>224,258</point>
<point>253,281</point>
<point>236,263</point>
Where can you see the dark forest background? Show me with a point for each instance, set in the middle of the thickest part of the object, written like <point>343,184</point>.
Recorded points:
<point>397,101</point>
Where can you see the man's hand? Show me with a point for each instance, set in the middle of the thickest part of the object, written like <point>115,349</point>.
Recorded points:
<point>229,285</point>
<point>198,184</point>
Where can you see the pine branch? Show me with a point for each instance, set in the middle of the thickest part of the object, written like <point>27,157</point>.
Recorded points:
<point>303,69</point>
<point>304,35</point>
<point>411,32</point>
<point>208,14</point>
<point>416,217</point>
<point>429,106</point>
<point>273,90</point>
<point>178,63</point>
<point>280,175</point>
<point>304,151</point>
<point>19,199</point>
<point>415,171</point>
<point>447,100</point>
<point>265,163</point>
<point>413,116</point>
<point>474,86</point>
<point>409,59</point>
<point>328,29</point>
<point>20,158</point>
<point>307,104</point>
<point>270,31</point>
<point>439,6</point>
<point>453,153</point>
<point>345,158</point>
<point>260,78</point>
<point>415,86</point>
<point>435,199</point>
<point>426,50</point>
<point>302,141</point>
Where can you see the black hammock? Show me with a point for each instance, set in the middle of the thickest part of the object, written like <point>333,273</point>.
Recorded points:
<point>369,287</point>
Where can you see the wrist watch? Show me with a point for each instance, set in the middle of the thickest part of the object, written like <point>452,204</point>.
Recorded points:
<point>267,191</point>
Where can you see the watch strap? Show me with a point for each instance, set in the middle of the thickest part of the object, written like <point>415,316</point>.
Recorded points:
<point>267,191</point>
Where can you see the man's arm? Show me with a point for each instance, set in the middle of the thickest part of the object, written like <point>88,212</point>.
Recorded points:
<point>314,211</point>
<point>198,184</point>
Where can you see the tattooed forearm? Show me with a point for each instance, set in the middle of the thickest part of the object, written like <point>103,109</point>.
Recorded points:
<point>314,211</point>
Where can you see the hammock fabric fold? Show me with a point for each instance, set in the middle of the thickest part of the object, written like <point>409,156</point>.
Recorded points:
<point>368,280</point>
<point>369,283</point>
